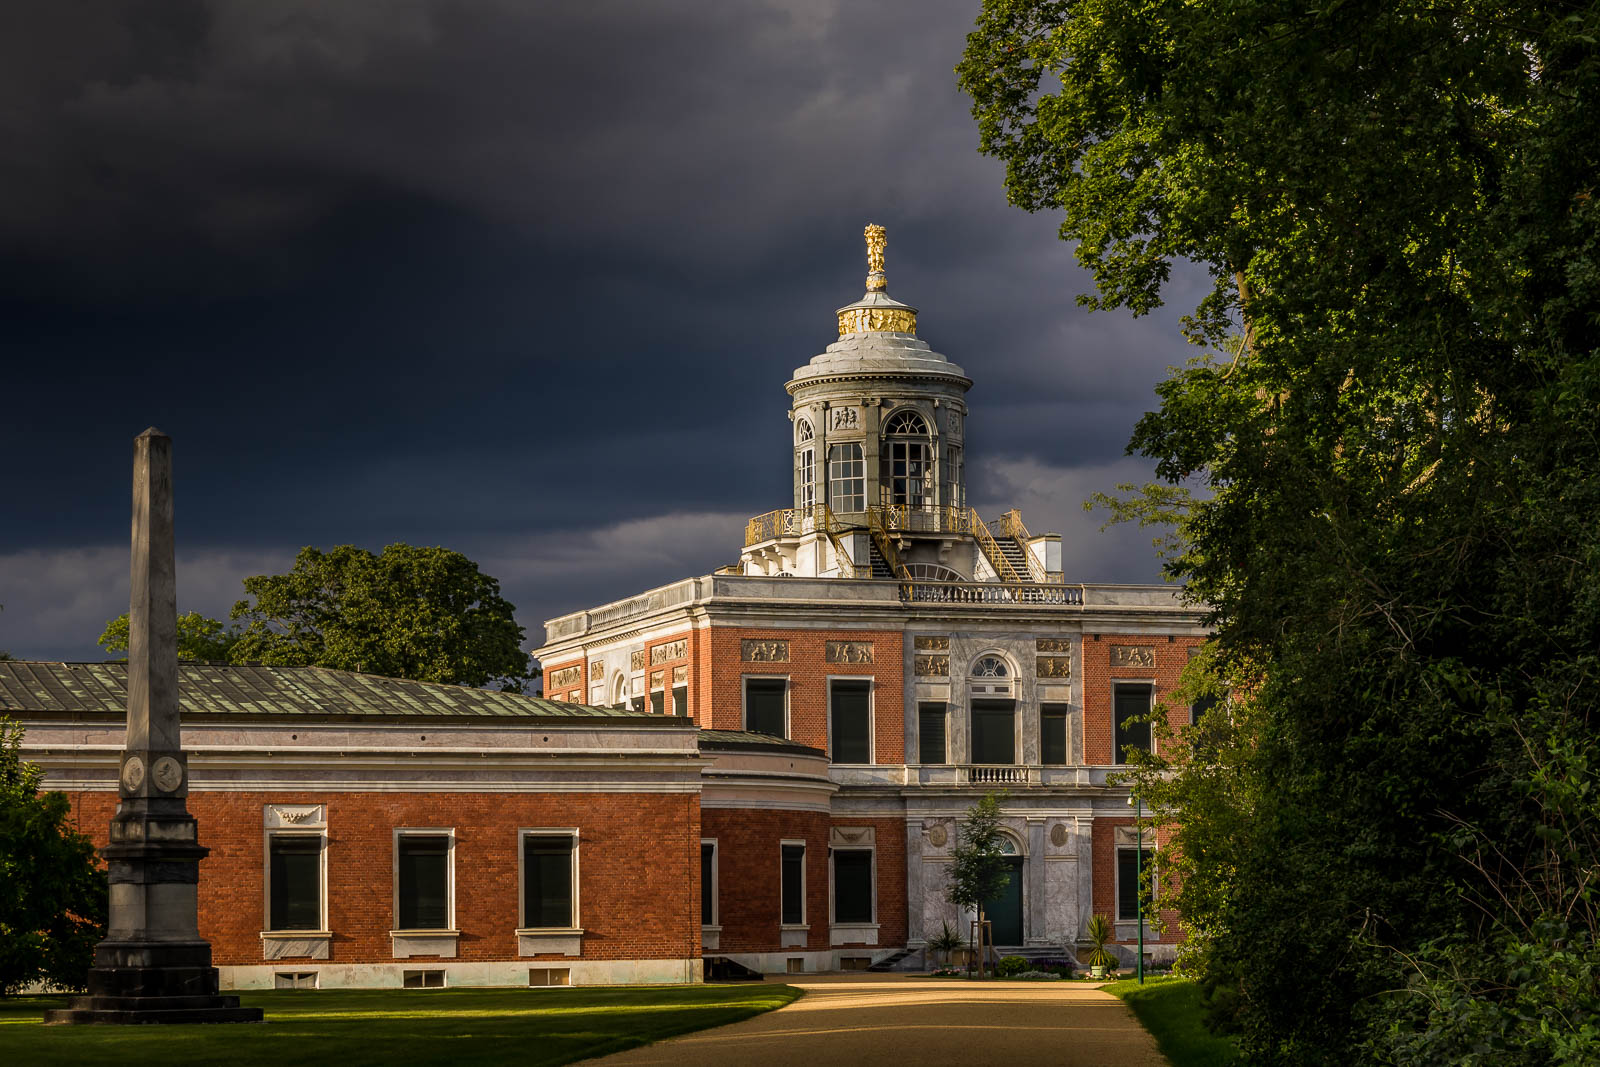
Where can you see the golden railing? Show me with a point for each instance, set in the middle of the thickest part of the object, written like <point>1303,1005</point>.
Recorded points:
<point>792,522</point>
<point>941,518</point>
<point>991,550</point>
<point>877,525</point>
<point>1011,522</point>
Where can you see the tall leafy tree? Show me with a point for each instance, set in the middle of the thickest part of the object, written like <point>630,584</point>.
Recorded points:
<point>200,638</point>
<point>1388,850</point>
<point>407,612</point>
<point>53,896</point>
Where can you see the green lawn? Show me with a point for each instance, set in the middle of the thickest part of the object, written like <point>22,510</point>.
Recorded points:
<point>390,1026</point>
<point>1170,1009</point>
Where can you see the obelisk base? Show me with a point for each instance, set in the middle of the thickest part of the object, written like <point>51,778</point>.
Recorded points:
<point>153,982</point>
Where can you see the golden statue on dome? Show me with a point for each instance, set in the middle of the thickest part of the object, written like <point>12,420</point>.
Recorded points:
<point>877,239</point>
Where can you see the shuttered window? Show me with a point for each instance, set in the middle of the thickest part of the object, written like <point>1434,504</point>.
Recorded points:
<point>1131,702</point>
<point>852,885</point>
<point>851,727</point>
<point>423,863</point>
<point>993,733</point>
<point>295,873</point>
<point>547,881</point>
<point>1053,734</point>
<point>794,885</point>
<point>930,733</point>
<point>764,700</point>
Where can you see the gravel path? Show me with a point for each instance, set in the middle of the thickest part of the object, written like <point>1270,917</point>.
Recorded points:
<point>890,1020</point>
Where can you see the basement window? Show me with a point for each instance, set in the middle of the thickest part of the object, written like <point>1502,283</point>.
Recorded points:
<point>294,980</point>
<point>422,979</point>
<point>542,977</point>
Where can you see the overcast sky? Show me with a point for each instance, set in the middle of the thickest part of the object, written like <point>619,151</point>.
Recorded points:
<point>524,280</point>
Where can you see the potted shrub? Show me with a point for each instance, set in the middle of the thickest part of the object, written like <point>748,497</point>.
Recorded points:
<point>945,943</point>
<point>1100,934</point>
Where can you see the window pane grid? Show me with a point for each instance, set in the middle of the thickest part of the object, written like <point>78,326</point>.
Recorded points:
<point>852,886</point>
<point>547,881</point>
<point>851,721</point>
<point>764,705</point>
<point>295,873</point>
<point>794,864</point>
<point>424,873</point>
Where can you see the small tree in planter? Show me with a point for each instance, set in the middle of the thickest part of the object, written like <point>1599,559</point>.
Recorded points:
<point>1100,933</point>
<point>978,867</point>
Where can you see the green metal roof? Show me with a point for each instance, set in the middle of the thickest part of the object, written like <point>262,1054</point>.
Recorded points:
<point>219,689</point>
<point>732,739</point>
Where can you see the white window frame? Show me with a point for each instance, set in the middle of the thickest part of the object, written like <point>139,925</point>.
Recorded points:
<point>833,888</point>
<point>1116,751</point>
<point>744,700</point>
<point>872,715</point>
<point>523,833</point>
<point>945,715</point>
<point>716,884</point>
<point>1155,882</point>
<point>806,471</point>
<point>450,877</point>
<point>805,855</point>
<point>321,834</point>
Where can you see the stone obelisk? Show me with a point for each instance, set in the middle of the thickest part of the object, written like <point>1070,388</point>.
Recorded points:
<point>153,966</point>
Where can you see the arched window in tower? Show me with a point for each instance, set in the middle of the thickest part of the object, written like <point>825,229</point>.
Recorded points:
<point>847,479</point>
<point>906,480</point>
<point>805,463</point>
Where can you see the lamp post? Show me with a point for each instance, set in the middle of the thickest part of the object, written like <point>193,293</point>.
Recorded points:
<point>1138,871</point>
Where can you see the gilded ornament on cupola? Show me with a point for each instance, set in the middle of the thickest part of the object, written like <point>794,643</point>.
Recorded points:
<point>877,312</point>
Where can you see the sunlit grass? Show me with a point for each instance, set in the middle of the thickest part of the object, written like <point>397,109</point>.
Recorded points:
<point>358,1027</point>
<point>1170,1009</point>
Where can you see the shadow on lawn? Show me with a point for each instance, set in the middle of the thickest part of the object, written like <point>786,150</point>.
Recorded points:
<point>389,1026</point>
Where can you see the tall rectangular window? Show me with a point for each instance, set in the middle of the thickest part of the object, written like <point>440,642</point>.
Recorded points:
<point>852,885</point>
<point>1131,702</point>
<point>950,477</point>
<point>765,705</point>
<point>850,714</point>
<point>994,737</point>
<point>1129,863</point>
<point>847,478</point>
<point>806,463</point>
<point>794,884</point>
<point>547,881</point>
<point>680,701</point>
<point>1053,734</point>
<point>658,702</point>
<point>708,883</point>
<point>1203,705</point>
<point>930,733</point>
<point>294,875</point>
<point>422,876</point>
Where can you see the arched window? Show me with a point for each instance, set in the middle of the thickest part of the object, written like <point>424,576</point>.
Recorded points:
<point>847,479</point>
<point>906,480</point>
<point>802,430</point>
<point>991,667</point>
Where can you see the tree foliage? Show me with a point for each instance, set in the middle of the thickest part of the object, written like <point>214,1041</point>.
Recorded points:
<point>199,639</point>
<point>53,896</point>
<point>422,613</point>
<point>979,869</point>
<point>1387,846</point>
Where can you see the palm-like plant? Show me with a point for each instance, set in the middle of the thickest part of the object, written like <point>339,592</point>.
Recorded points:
<point>946,941</point>
<point>1100,933</point>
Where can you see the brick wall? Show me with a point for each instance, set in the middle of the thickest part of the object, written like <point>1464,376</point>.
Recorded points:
<point>1103,843</point>
<point>749,890</point>
<point>891,875</point>
<point>1099,675</point>
<point>574,694</point>
<point>638,868</point>
<point>808,674</point>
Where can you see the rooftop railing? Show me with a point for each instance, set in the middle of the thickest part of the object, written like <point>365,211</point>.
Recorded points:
<point>913,592</point>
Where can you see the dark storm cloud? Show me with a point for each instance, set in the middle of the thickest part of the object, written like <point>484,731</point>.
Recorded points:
<point>522,279</point>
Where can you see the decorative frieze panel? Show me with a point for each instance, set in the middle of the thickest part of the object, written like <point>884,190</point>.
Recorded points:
<point>1133,656</point>
<point>849,652</point>
<point>668,652</point>
<point>932,666</point>
<point>597,671</point>
<point>763,651</point>
<point>299,816</point>
<point>1058,835</point>
<point>1053,666</point>
<point>636,660</point>
<point>1055,646</point>
<point>658,679</point>
<point>853,836</point>
<point>844,418</point>
<point>566,676</point>
<point>933,644</point>
<point>680,675</point>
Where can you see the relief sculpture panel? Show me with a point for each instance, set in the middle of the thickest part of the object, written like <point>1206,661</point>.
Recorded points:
<point>1133,656</point>
<point>1053,666</point>
<point>668,652</point>
<point>566,676</point>
<point>933,644</point>
<point>932,666</point>
<point>849,652</point>
<point>763,651</point>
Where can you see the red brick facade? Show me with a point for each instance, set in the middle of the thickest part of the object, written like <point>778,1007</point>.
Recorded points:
<point>638,868</point>
<point>749,899</point>
<point>1170,654</point>
<point>1104,848</point>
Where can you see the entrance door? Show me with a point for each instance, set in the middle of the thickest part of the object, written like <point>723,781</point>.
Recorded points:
<point>1005,910</point>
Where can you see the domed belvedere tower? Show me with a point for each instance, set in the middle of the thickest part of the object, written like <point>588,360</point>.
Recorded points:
<point>880,491</point>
